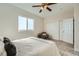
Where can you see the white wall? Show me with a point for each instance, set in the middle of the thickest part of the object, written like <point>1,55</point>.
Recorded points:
<point>9,22</point>
<point>76,18</point>
<point>52,24</point>
<point>52,28</point>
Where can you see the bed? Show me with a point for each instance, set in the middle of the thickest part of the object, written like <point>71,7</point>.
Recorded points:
<point>33,46</point>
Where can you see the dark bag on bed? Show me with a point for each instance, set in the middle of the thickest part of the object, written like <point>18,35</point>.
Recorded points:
<point>9,47</point>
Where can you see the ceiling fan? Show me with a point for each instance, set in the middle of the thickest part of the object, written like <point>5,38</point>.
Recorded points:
<point>44,6</point>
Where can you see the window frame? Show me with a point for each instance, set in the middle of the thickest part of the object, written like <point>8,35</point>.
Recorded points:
<point>21,30</point>
<point>32,24</point>
<point>27,23</point>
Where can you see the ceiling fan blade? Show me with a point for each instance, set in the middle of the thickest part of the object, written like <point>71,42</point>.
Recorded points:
<point>51,3</point>
<point>49,9</point>
<point>40,11</point>
<point>36,6</point>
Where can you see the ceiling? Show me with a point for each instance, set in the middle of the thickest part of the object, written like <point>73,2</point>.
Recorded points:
<point>56,8</point>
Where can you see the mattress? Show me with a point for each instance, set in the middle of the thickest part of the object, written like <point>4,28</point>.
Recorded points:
<point>33,46</point>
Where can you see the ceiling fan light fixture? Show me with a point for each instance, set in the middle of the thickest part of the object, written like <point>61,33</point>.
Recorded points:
<point>45,7</point>
<point>42,8</point>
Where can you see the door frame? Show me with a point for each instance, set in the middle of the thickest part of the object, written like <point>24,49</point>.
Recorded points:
<point>73,29</point>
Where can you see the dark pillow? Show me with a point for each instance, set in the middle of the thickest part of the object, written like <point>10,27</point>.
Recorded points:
<point>43,35</point>
<point>6,40</point>
<point>9,47</point>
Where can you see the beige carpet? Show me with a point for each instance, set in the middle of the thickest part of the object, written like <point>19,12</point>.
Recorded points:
<point>65,53</point>
<point>65,49</point>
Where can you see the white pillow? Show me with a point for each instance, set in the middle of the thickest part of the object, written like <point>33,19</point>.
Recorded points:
<point>2,50</point>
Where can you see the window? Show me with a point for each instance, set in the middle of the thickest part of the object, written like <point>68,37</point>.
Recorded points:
<point>30,24</point>
<point>22,23</point>
<point>25,23</point>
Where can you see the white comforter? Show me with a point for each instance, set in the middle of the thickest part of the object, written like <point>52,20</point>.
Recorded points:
<point>35,47</point>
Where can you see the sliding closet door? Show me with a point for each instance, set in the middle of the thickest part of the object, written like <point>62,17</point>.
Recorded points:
<point>68,30</point>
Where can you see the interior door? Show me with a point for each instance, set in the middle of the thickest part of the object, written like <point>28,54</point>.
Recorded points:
<point>67,30</point>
